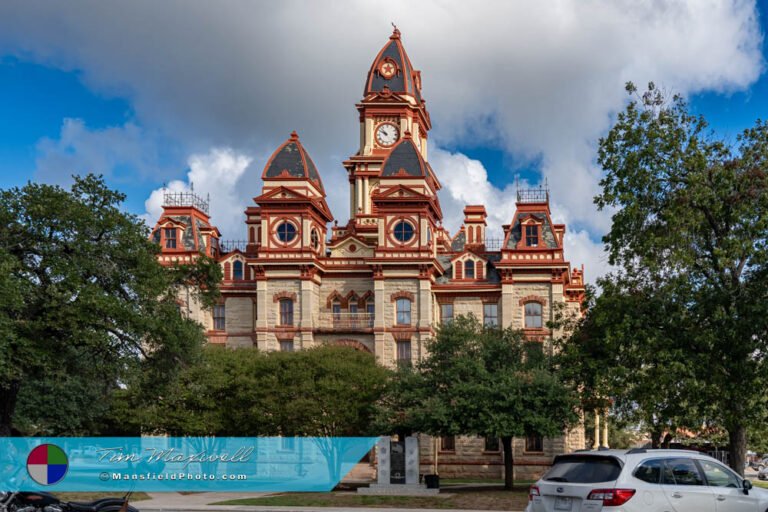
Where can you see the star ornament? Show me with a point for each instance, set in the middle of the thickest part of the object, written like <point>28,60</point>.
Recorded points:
<point>387,69</point>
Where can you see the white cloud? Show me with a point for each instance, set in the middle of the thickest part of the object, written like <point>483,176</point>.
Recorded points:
<point>221,170</point>
<point>80,150</point>
<point>465,181</point>
<point>537,79</point>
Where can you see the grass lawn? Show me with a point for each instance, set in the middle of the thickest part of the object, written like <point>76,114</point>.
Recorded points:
<point>758,483</point>
<point>478,498</point>
<point>91,496</point>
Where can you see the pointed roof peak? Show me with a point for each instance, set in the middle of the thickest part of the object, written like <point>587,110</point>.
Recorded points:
<point>392,70</point>
<point>291,161</point>
<point>404,160</point>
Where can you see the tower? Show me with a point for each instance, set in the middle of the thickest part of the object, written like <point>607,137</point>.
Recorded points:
<point>389,173</point>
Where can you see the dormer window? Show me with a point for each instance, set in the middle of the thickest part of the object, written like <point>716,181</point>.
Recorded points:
<point>170,238</point>
<point>237,270</point>
<point>532,235</point>
<point>469,269</point>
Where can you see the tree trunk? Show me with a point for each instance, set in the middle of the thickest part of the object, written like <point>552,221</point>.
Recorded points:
<point>8,396</point>
<point>655,438</point>
<point>667,440</point>
<point>509,475</point>
<point>737,447</point>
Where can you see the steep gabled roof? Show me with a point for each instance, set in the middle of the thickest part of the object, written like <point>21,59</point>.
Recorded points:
<point>291,160</point>
<point>404,159</point>
<point>403,80</point>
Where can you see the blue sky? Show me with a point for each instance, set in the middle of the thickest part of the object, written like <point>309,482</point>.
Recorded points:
<point>151,100</point>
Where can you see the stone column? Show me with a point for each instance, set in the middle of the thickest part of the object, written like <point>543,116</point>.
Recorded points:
<point>382,460</point>
<point>379,322</point>
<point>605,430</point>
<point>262,317</point>
<point>507,305</point>
<point>307,307</point>
<point>596,445</point>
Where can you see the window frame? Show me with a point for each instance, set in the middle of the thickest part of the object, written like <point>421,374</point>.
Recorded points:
<point>280,233</point>
<point>486,316</point>
<point>527,236</point>
<point>235,265</point>
<point>286,345</point>
<point>403,354</point>
<point>171,242</point>
<point>446,319</point>
<point>469,269</point>
<point>488,449</point>
<point>219,320</point>
<point>398,312</point>
<point>286,314</point>
<point>540,316</point>
<point>534,441</point>
<point>401,224</point>
<point>450,441</point>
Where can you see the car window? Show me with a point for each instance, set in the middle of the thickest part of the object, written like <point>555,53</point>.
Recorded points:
<point>584,469</point>
<point>719,476</point>
<point>650,471</point>
<point>681,471</point>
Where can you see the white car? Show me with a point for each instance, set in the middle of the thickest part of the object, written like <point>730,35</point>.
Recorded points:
<point>641,480</point>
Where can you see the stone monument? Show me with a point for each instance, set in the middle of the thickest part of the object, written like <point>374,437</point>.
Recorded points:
<point>397,464</point>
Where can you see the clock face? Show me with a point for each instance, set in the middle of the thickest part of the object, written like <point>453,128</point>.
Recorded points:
<point>386,134</point>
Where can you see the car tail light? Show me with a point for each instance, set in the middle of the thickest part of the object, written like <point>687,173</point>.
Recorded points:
<point>611,497</point>
<point>533,491</point>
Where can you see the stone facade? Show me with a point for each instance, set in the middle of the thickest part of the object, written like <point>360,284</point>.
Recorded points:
<point>384,280</point>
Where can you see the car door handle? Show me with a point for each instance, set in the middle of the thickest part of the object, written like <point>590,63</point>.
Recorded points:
<point>677,495</point>
<point>720,497</point>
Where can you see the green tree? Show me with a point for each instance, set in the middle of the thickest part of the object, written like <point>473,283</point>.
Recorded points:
<point>82,300</point>
<point>690,218</point>
<point>323,392</point>
<point>484,381</point>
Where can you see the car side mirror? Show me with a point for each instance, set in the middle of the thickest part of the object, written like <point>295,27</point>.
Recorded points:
<point>746,485</point>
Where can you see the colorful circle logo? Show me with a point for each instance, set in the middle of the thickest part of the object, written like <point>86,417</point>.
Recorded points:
<point>47,464</point>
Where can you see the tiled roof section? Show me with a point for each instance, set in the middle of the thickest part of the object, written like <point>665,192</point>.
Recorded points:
<point>457,244</point>
<point>406,159</point>
<point>548,235</point>
<point>293,159</point>
<point>402,81</point>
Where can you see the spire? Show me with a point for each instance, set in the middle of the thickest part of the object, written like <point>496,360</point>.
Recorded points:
<point>290,160</point>
<point>392,69</point>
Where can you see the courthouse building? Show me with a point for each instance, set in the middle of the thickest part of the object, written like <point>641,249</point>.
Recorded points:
<point>381,281</point>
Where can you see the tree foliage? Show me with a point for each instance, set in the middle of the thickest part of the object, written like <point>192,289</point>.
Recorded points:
<point>82,300</point>
<point>484,381</point>
<point>681,329</point>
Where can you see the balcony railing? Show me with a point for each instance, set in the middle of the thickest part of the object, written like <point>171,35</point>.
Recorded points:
<point>226,246</point>
<point>346,321</point>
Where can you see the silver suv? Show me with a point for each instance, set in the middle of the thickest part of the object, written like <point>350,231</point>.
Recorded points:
<point>643,480</point>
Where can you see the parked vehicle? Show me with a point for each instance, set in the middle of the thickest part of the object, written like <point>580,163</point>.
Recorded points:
<point>643,480</point>
<point>762,474</point>
<point>45,502</point>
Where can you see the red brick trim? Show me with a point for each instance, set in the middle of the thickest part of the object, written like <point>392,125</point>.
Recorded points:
<point>333,296</point>
<point>402,295</point>
<point>533,298</point>
<point>284,295</point>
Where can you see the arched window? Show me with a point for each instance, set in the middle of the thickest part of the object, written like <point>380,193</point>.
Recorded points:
<point>533,316</point>
<point>403,231</point>
<point>286,232</point>
<point>403,312</point>
<point>286,312</point>
<point>469,270</point>
<point>237,270</point>
<point>252,235</point>
<point>314,239</point>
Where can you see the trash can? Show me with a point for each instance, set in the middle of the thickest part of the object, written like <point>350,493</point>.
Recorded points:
<point>432,481</point>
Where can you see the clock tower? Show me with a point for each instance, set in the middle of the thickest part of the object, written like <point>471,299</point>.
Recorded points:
<point>391,162</point>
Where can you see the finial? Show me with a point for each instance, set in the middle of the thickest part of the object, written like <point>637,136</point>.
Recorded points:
<point>192,186</point>
<point>294,135</point>
<point>395,32</point>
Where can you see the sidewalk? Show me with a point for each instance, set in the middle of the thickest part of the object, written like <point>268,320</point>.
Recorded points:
<point>175,502</point>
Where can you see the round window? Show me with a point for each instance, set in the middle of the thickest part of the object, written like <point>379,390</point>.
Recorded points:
<point>315,239</point>
<point>286,232</point>
<point>403,231</point>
